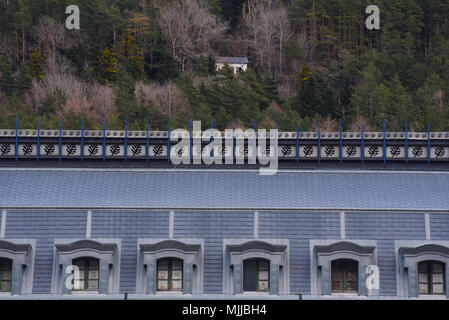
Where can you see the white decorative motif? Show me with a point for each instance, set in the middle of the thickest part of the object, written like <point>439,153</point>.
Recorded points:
<point>244,152</point>
<point>136,150</point>
<point>395,152</point>
<point>352,152</point>
<point>93,150</point>
<point>309,151</point>
<point>27,150</point>
<point>180,151</point>
<point>417,152</point>
<point>439,152</point>
<point>7,150</point>
<point>71,150</point>
<point>374,152</point>
<point>158,150</point>
<point>265,151</point>
<point>287,151</point>
<point>330,152</point>
<point>224,151</point>
<point>49,150</point>
<point>115,150</point>
<point>199,151</point>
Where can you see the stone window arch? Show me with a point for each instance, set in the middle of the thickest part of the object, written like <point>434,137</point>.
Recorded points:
<point>270,277</point>
<point>186,274</point>
<point>410,260</point>
<point>362,255</point>
<point>431,277</point>
<point>106,253</point>
<point>17,263</point>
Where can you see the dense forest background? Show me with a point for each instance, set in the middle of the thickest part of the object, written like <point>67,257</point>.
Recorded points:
<point>154,59</point>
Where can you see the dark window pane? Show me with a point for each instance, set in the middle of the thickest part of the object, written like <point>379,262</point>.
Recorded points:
<point>89,274</point>
<point>250,275</point>
<point>344,275</point>
<point>337,286</point>
<point>422,268</point>
<point>5,275</point>
<point>169,275</point>
<point>431,277</point>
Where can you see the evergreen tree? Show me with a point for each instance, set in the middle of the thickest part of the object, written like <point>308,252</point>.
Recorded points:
<point>37,65</point>
<point>106,67</point>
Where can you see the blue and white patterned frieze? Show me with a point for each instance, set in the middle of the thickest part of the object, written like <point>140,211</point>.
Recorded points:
<point>287,151</point>
<point>417,152</point>
<point>244,152</point>
<point>27,150</point>
<point>115,150</point>
<point>374,152</point>
<point>352,152</point>
<point>308,152</point>
<point>199,150</point>
<point>7,149</point>
<point>49,150</point>
<point>180,151</point>
<point>395,152</point>
<point>158,150</point>
<point>330,152</point>
<point>136,150</point>
<point>71,150</point>
<point>265,151</point>
<point>223,151</point>
<point>439,152</point>
<point>93,150</point>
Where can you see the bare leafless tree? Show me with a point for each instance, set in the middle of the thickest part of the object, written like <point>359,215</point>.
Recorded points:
<point>189,29</point>
<point>268,29</point>
<point>306,48</point>
<point>166,97</point>
<point>52,35</point>
<point>283,31</point>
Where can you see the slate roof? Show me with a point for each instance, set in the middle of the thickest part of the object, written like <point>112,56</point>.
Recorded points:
<point>239,60</point>
<point>243,189</point>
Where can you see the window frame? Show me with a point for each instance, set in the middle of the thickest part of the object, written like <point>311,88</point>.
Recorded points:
<point>429,264</point>
<point>409,255</point>
<point>258,261</point>
<point>235,251</point>
<point>86,279</point>
<point>327,250</point>
<point>106,250</point>
<point>170,261</point>
<point>344,270</point>
<point>190,251</point>
<point>2,263</point>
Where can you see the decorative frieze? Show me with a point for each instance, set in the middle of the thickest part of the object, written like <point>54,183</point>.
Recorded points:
<point>134,145</point>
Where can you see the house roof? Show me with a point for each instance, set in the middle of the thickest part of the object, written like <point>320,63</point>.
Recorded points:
<point>223,189</point>
<point>239,60</point>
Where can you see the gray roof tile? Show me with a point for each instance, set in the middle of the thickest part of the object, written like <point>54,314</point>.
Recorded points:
<point>240,60</point>
<point>224,189</point>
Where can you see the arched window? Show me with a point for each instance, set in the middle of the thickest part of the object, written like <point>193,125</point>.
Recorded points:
<point>89,274</point>
<point>256,275</point>
<point>169,274</point>
<point>5,275</point>
<point>344,276</point>
<point>431,278</point>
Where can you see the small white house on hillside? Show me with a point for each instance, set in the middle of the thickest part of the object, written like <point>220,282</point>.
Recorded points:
<point>238,64</point>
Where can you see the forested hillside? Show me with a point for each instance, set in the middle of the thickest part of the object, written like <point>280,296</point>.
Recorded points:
<point>154,59</point>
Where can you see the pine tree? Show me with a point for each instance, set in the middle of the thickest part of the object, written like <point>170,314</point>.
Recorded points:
<point>37,65</point>
<point>106,67</point>
<point>129,54</point>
